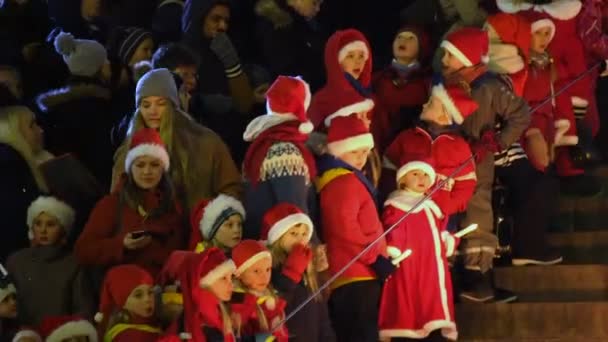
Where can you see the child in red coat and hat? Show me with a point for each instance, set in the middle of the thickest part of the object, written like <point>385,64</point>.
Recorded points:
<point>67,328</point>
<point>437,136</point>
<point>402,87</point>
<point>126,307</point>
<point>417,300</point>
<point>217,223</point>
<point>287,231</point>
<point>350,222</point>
<point>259,307</point>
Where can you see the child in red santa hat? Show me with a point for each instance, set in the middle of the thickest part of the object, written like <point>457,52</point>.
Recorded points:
<point>438,136</point>
<point>260,308</point>
<point>278,167</point>
<point>126,307</point>
<point>287,232</point>
<point>206,283</point>
<point>49,264</point>
<point>27,335</point>
<point>8,306</point>
<point>402,87</point>
<point>350,222</point>
<point>217,223</point>
<point>417,300</point>
<point>172,299</point>
<point>67,328</point>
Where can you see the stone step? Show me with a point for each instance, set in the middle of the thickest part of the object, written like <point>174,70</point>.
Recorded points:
<point>590,247</point>
<point>533,321</point>
<point>555,278</point>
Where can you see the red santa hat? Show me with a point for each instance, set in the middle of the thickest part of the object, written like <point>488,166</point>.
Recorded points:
<point>456,101</point>
<point>512,29</point>
<point>118,284</point>
<point>352,40</point>
<point>469,45</point>
<point>278,219</point>
<point>59,328</point>
<point>53,206</point>
<point>417,161</point>
<point>247,253</point>
<point>208,215</point>
<point>30,333</point>
<point>348,133</point>
<point>147,142</point>
<point>539,20</point>
<point>346,103</point>
<point>558,9</point>
<point>216,265</point>
<point>290,96</point>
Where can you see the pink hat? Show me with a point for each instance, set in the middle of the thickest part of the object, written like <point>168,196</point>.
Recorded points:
<point>278,219</point>
<point>348,133</point>
<point>469,45</point>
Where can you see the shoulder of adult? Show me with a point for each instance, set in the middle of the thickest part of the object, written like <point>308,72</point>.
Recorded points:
<point>271,11</point>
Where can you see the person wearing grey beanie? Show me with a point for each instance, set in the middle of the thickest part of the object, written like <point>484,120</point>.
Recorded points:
<point>83,57</point>
<point>208,174</point>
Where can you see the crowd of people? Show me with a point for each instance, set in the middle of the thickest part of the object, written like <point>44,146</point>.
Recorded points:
<point>285,170</point>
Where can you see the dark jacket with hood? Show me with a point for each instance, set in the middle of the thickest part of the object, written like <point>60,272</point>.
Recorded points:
<point>78,119</point>
<point>67,17</point>
<point>290,44</point>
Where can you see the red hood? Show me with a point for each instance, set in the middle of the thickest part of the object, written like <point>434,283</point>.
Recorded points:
<point>335,74</point>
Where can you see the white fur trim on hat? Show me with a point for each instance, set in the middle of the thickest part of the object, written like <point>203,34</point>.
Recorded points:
<point>417,165</point>
<point>215,208</point>
<point>264,122</point>
<point>8,290</point>
<point>441,93</point>
<point>354,45</point>
<point>283,225</point>
<point>446,44</point>
<point>358,107</point>
<point>340,147</point>
<point>579,101</point>
<point>215,274</point>
<point>27,333</point>
<point>559,9</point>
<point>151,150</point>
<point>252,260</point>
<point>539,24</point>
<point>71,329</point>
<point>52,206</point>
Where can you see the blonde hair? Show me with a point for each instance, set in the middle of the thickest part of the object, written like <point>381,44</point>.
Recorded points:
<point>11,118</point>
<point>226,319</point>
<point>279,255</point>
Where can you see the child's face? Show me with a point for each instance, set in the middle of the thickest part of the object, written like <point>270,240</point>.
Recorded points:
<point>47,230</point>
<point>222,288</point>
<point>416,180</point>
<point>188,74</point>
<point>450,63</point>
<point>353,63</point>
<point>143,52</point>
<point>147,172</point>
<point>541,39</point>
<point>434,111</point>
<point>152,109</point>
<point>8,307</point>
<point>356,158</point>
<point>141,301</point>
<point>257,276</point>
<point>405,47</point>
<point>230,232</point>
<point>298,234</point>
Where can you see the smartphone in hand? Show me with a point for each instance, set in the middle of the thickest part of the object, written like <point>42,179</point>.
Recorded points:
<point>139,234</point>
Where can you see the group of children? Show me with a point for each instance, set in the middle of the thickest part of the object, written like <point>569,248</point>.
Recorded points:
<point>377,199</point>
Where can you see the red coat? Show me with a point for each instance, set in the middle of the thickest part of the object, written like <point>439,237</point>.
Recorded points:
<point>100,245</point>
<point>448,151</point>
<point>138,329</point>
<point>396,97</point>
<point>248,306</point>
<point>350,222</point>
<point>417,299</point>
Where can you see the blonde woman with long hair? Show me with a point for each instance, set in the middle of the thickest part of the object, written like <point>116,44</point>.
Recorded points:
<point>202,167</point>
<point>21,181</point>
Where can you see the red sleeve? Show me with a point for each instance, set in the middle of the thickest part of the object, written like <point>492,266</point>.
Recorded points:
<point>454,196</point>
<point>396,237</point>
<point>98,244</point>
<point>131,335</point>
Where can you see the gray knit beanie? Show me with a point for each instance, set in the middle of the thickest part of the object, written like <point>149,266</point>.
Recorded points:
<point>83,57</point>
<point>157,82</point>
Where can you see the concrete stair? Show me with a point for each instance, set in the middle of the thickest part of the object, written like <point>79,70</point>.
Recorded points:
<point>561,303</point>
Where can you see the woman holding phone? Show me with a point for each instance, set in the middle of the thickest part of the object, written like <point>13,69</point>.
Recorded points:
<point>140,222</point>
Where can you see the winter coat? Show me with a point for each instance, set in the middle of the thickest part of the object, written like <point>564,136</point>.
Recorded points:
<point>448,151</point>
<point>417,299</point>
<point>399,101</point>
<point>349,222</point>
<point>311,323</point>
<point>137,329</point>
<point>212,171</point>
<point>593,29</point>
<point>50,283</point>
<point>12,17</point>
<point>67,18</point>
<point>78,119</point>
<point>290,44</point>
<point>166,24</point>
<point>19,190</point>
<point>249,306</point>
<point>101,242</point>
